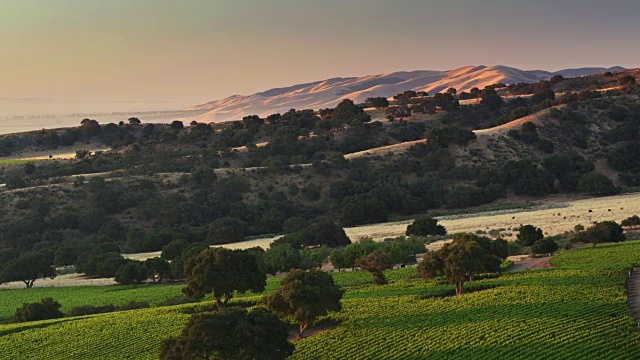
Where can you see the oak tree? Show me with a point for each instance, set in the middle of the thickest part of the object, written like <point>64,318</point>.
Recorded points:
<point>28,268</point>
<point>375,263</point>
<point>459,261</point>
<point>222,271</point>
<point>232,334</point>
<point>305,296</point>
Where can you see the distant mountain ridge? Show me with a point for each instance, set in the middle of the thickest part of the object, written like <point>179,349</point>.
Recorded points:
<point>328,93</point>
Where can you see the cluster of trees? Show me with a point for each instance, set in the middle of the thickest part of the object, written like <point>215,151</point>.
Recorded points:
<point>411,102</point>
<point>568,172</point>
<point>600,232</point>
<point>401,251</point>
<point>135,272</point>
<point>323,232</point>
<point>89,130</point>
<point>283,257</point>
<point>291,252</point>
<point>377,102</point>
<point>533,237</point>
<point>631,221</point>
<point>231,333</point>
<point>624,142</point>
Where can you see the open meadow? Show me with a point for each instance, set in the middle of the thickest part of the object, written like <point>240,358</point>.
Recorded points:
<point>554,216</point>
<point>575,310</point>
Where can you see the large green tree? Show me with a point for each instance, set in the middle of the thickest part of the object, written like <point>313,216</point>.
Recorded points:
<point>349,113</point>
<point>222,271</point>
<point>305,296</point>
<point>346,257</point>
<point>595,183</point>
<point>321,232</point>
<point>424,226</point>
<point>529,234</point>
<point>158,269</point>
<point>28,268</point>
<point>601,232</point>
<point>459,261</point>
<point>375,264</point>
<point>280,258</point>
<point>131,272</point>
<point>231,334</point>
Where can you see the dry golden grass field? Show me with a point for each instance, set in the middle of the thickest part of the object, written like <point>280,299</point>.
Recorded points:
<point>554,216</point>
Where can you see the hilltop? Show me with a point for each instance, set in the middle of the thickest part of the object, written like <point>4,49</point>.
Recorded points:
<point>328,93</point>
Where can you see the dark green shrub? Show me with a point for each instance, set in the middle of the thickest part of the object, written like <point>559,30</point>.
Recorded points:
<point>544,246</point>
<point>47,308</point>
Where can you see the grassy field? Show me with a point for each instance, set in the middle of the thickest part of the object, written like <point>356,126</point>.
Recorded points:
<point>554,216</point>
<point>576,310</point>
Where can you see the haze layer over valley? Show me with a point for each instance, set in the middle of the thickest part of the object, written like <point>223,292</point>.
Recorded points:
<point>17,115</point>
<point>27,114</point>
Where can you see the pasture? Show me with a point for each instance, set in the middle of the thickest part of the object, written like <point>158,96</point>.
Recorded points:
<point>553,215</point>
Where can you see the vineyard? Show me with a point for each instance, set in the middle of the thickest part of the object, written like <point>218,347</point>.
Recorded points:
<point>134,334</point>
<point>576,310</point>
<point>71,297</point>
<point>542,314</point>
<point>625,254</point>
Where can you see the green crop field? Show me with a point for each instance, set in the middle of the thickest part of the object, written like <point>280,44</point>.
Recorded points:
<point>577,310</point>
<point>625,254</point>
<point>71,296</point>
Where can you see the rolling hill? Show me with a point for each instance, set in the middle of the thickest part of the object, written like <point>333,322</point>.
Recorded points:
<point>328,93</point>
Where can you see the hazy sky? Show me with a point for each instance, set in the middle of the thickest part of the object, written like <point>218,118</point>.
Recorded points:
<point>192,51</point>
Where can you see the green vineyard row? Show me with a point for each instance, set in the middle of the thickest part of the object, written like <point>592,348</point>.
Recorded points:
<point>577,310</point>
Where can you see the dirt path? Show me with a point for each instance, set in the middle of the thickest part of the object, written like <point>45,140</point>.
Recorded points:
<point>531,264</point>
<point>293,335</point>
<point>633,292</point>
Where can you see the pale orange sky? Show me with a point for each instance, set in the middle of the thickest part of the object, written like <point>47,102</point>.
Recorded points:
<point>193,51</point>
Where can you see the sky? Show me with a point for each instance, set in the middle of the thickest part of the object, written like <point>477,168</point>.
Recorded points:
<point>193,51</point>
